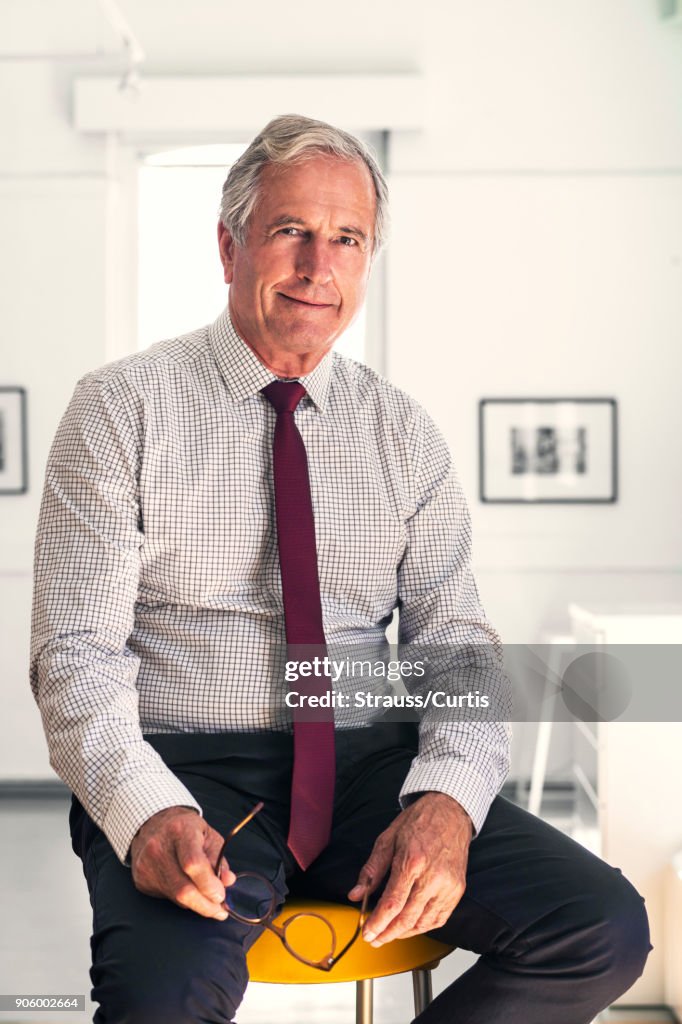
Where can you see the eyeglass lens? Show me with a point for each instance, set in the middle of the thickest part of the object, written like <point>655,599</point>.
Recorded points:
<point>250,897</point>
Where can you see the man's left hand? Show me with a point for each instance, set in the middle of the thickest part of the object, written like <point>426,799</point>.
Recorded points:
<point>426,848</point>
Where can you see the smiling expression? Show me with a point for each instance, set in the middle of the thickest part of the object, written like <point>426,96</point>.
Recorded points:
<point>301,277</point>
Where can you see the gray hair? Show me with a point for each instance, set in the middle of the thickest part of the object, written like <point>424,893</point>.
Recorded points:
<point>285,140</point>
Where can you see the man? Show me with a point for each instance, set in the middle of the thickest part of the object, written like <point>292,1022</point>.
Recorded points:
<point>166,581</point>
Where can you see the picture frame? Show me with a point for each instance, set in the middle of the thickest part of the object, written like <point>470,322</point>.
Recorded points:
<point>548,450</point>
<point>13,444</point>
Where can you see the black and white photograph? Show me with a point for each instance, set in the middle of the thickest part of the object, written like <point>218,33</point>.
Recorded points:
<point>548,450</point>
<point>13,456</point>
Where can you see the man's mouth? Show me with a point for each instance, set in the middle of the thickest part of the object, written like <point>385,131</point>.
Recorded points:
<point>305,302</point>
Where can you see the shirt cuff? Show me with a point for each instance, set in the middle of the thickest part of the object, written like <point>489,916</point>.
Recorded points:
<point>459,781</point>
<point>135,801</point>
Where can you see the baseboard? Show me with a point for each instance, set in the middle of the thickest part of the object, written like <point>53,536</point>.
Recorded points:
<point>21,789</point>
<point>511,787</point>
<point>633,1013</point>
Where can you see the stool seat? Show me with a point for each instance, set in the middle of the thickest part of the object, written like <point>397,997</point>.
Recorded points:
<point>268,961</point>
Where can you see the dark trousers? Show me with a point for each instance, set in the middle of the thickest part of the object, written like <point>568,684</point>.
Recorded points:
<point>561,933</point>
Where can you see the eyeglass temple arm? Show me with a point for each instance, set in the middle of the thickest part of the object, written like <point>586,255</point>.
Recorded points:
<point>237,828</point>
<point>363,915</point>
<point>245,821</point>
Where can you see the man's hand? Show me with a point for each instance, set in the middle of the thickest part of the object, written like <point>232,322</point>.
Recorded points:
<point>426,847</point>
<point>172,857</point>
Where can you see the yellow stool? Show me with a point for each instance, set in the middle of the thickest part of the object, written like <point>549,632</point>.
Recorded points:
<point>268,961</point>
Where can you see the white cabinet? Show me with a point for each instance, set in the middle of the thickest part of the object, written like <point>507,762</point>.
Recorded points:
<point>627,624</point>
<point>638,777</point>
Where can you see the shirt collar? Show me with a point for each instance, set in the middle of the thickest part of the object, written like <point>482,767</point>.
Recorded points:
<point>245,375</point>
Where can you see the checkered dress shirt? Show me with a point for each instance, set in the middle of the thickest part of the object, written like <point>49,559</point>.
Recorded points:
<point>157,592</point>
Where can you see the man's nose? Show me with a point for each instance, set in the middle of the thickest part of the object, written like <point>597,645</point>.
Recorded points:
<point>314,262</point>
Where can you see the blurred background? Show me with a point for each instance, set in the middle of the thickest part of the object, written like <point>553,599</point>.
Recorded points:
<point>534,155</point>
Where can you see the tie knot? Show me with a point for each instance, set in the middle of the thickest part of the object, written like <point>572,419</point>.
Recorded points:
<point>284,395</point>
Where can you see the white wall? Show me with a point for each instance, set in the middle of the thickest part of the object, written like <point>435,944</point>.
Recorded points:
<point>548,285</point>
<point>52,265</point>
<point>536,249</point>
<point>542,84</point>
<point>539,218</point>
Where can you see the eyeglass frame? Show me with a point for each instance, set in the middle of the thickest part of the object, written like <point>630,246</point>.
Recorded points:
<point>266,920</point>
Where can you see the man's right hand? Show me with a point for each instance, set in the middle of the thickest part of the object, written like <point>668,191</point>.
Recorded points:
<point>172,857</point>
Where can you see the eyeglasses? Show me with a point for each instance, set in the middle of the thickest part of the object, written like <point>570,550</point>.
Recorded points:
<point>308,937</point>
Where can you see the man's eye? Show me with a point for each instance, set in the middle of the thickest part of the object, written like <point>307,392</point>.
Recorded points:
<point>347,240</point>
<point>289,231</point>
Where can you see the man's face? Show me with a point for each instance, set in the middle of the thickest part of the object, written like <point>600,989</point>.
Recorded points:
<point>301,277</point>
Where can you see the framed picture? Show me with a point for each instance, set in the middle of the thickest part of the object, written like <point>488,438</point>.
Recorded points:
<point>553,450</point>
<point>13,468</point>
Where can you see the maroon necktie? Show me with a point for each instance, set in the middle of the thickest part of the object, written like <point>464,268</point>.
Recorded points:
<point>314,771</point>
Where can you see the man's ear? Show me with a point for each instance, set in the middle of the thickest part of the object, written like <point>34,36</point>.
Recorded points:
<point>226,245</point>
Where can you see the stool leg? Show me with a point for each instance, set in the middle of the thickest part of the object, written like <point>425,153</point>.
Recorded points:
<point>364,1001</point>
<point>423,992</point>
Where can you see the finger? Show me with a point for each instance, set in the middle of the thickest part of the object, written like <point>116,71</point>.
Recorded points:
<point>391,904</point>
<point>403,921</point>
<point>437,910</point>
<point>188,896</point>
<point>225,873</point>
<point>432,916</point>
<point>163,878</point>
<point>213,844</point>
<point>374,869</point>
<point>194,863</point>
